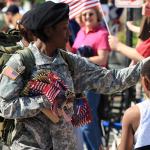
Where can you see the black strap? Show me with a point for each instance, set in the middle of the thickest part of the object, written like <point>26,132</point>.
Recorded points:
<point>28,60</point>
<point>68,61</point>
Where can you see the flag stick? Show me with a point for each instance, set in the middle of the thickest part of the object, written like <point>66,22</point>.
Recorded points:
<point>104,19</point>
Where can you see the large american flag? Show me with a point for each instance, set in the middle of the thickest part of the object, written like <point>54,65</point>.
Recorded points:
<point>77,6</point>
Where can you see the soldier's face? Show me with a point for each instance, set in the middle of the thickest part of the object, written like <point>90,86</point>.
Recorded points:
<point>60,34</point>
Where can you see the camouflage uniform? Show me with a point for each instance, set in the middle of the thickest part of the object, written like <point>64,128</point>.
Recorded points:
<point>34,130</point>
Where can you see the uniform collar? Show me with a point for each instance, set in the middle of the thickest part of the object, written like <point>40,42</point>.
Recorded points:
<point>20,43</point>
<point>42,59</point>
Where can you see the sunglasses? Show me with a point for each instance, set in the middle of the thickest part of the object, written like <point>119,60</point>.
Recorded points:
<point>89,14</point>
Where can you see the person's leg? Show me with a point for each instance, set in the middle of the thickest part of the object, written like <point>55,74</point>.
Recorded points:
<point>91,131</point>
<point>79,136</point>
<point>86,143</point>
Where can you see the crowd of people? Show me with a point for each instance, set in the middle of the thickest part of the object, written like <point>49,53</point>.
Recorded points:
<point>54,88</point>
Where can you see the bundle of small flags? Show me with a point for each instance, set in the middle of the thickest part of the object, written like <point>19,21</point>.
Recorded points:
<point>51,85</point>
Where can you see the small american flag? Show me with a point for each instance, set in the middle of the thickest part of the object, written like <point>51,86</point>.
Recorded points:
<point>82,113</point>
<point>10,72</point>
<point>50,90</point>
<point>77,6</point>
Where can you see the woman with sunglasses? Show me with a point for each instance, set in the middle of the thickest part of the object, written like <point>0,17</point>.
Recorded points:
<point>92,42</point>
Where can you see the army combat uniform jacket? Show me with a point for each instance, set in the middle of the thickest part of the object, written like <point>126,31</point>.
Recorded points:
<point>34,130</point>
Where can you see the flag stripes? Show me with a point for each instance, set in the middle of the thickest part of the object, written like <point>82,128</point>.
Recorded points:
<point>77,6</point>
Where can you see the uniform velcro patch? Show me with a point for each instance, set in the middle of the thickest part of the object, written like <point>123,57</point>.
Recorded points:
<point>10,72</point>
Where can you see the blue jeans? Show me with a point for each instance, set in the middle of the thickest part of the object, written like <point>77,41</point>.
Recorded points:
<point>92,132</point>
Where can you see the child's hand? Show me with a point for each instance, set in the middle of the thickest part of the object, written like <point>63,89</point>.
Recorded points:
<point>129,24</point>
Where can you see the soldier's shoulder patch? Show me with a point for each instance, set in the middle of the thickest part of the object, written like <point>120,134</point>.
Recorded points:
<point>10,73</point>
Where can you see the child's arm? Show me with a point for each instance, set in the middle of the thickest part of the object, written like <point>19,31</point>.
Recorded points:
<point>130,123</point>
<point>132,27</point>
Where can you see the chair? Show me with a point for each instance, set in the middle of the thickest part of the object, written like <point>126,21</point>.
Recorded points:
<point>111,125</point>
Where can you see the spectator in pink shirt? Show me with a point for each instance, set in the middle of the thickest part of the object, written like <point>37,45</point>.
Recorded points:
<point>92,34</point>
<point>92,42</point>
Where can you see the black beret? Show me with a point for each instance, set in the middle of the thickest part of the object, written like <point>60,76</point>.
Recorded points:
<point>47,13</point>
<point>13,9</point>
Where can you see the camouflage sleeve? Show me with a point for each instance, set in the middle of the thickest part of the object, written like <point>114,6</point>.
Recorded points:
<point>11,105</point>
<point>87,75</point>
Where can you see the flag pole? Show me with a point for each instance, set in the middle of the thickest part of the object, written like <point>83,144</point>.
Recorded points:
<point>104,19</point>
